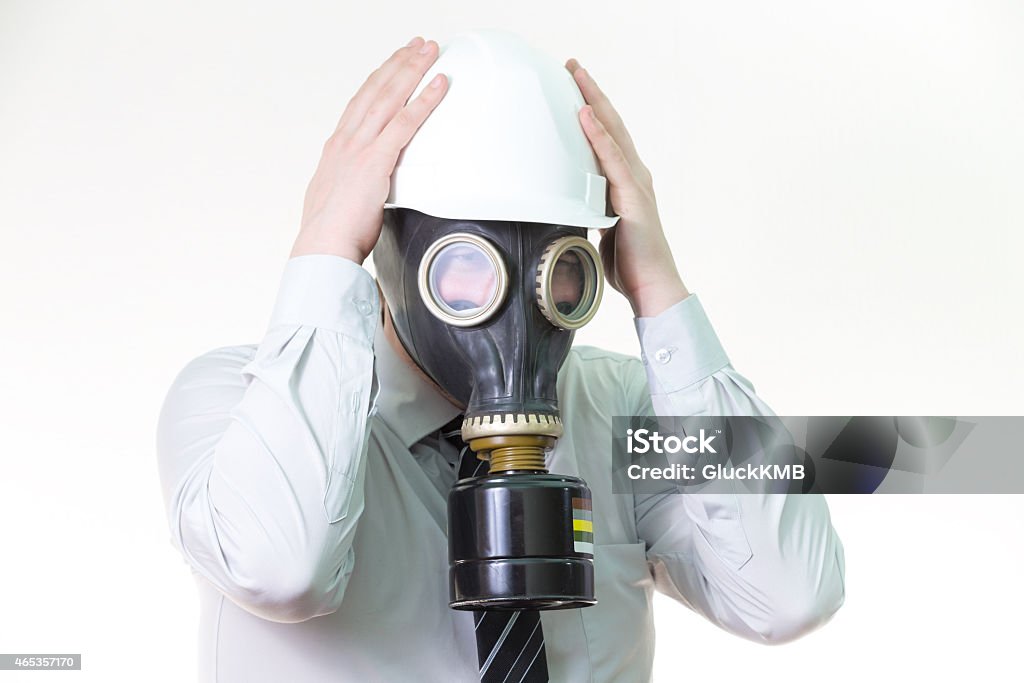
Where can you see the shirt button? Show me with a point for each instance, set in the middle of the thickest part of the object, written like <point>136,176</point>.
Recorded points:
<point>364,306</point>
<point>663,356</point>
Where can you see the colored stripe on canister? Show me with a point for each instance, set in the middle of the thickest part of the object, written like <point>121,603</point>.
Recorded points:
<point>583,525</point>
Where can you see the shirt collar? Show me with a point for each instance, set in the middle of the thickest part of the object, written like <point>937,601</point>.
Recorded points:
<point>410,405</point>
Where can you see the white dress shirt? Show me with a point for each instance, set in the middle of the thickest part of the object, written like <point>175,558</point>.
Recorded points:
<point>305,493</point>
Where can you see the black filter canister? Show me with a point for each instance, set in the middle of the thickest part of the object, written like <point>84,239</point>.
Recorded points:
<point>520,540</point>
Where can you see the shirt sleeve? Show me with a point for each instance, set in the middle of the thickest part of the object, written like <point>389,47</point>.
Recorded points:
<point>768,567</point>
<point>261,454</point>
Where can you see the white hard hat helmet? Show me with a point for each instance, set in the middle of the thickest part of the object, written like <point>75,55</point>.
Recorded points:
<point>505,143</point>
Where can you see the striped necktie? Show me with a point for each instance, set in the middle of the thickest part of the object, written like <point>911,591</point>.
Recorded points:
<point>509,643</point>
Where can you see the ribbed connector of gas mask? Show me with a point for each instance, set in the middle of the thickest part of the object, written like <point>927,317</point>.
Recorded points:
<point>512,442</point>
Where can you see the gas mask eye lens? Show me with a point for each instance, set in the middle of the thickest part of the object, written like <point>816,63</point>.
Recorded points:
<point>462,279</point>
<point>570,282</point>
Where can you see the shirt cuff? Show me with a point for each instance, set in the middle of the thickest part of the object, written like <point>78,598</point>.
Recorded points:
<point>679,347</point>
<point>328,292</point>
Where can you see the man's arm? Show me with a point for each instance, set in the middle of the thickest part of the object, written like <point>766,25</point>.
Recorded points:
<point>768,567</point>
<point>261,457</point>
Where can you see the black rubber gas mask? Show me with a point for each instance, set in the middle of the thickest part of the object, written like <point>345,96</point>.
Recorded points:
<point>488,309</point>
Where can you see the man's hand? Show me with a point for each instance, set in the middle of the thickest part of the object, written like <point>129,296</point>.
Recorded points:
<point>343,209</point>
<point>637,259</point>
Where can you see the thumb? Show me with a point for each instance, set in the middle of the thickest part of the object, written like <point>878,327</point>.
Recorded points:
<point>606,248</point>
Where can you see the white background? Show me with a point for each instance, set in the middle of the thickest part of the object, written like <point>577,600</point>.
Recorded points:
<point>841,183</point>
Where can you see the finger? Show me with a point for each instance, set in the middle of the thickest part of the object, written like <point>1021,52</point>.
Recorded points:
<point>394,95</point>
<point>606,248</point>
<point>399,131</point>
<point>367,93</point>
<point>596,98</point>
<point>613,161</point>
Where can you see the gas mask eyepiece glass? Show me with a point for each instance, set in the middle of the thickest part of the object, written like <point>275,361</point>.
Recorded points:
<point>463,280</point>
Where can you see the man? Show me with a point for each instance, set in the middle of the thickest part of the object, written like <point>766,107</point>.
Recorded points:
<point>306,477</point>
